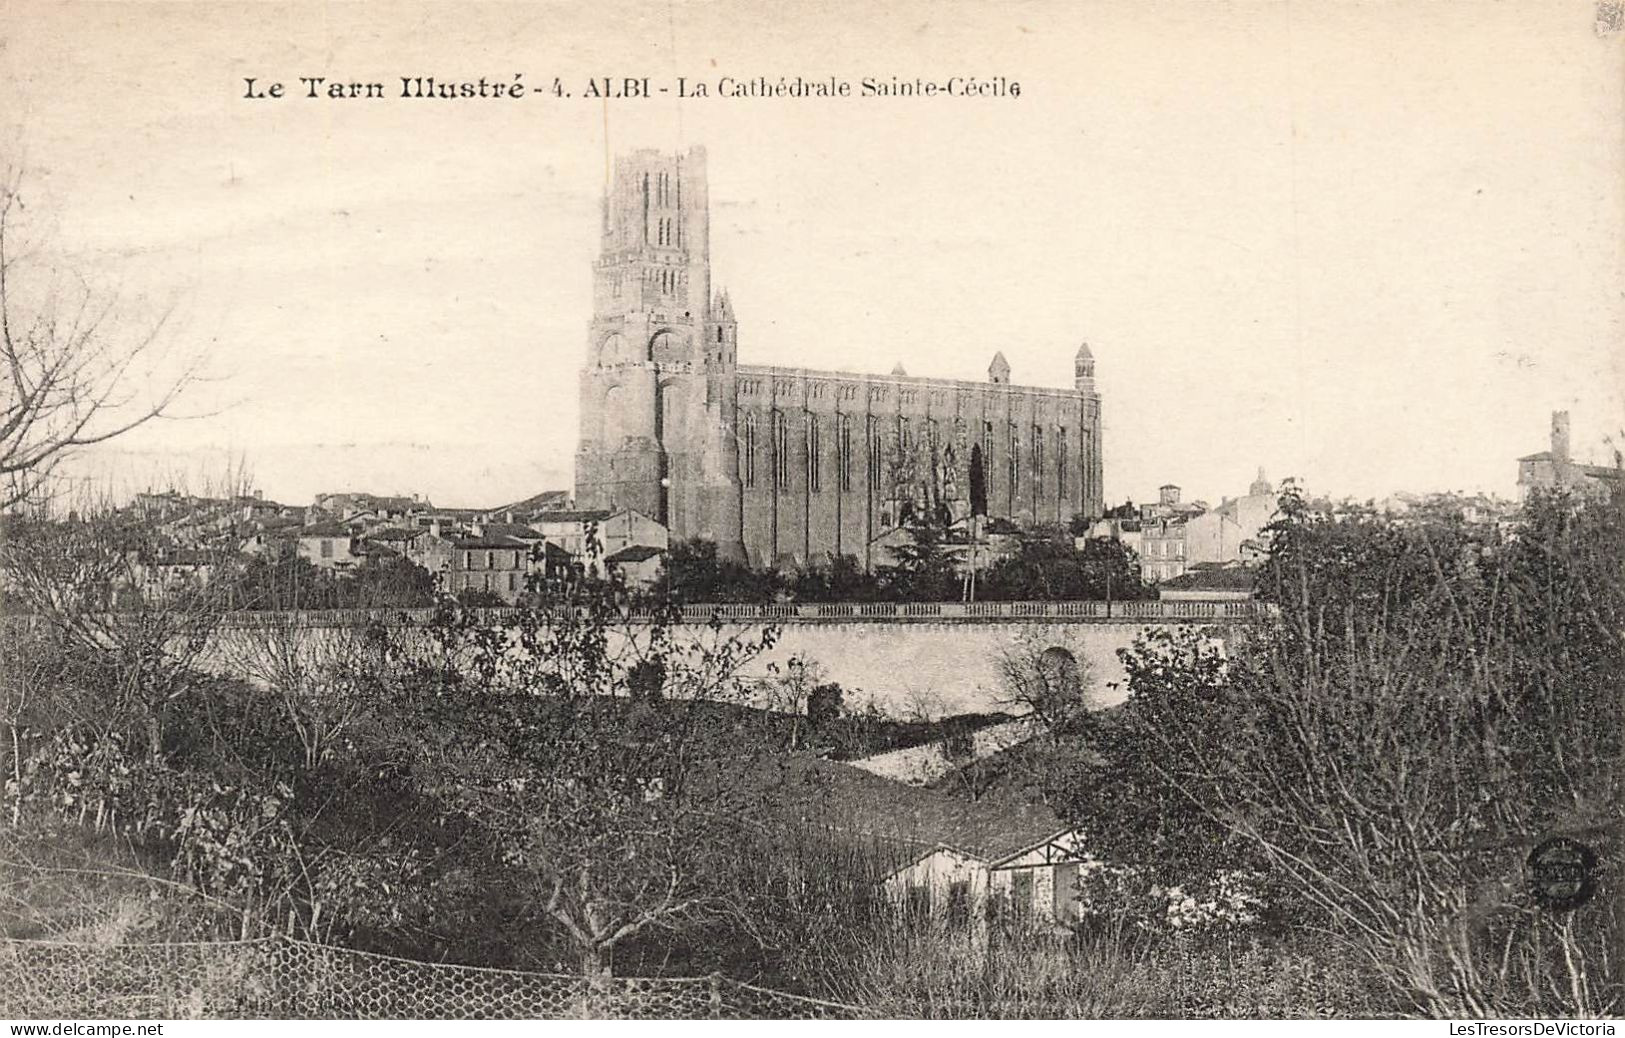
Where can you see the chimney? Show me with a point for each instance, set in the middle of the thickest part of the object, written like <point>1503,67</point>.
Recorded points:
<point>1560,436</point>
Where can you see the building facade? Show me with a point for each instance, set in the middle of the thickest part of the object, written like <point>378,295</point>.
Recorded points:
<point>1556,470</point>
<point>779,464</point>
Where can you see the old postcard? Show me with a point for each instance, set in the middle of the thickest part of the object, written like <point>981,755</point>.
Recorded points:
<point>715,510</point>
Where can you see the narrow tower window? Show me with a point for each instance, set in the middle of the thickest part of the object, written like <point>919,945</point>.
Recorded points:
<point>843,451</point>
<point>749,445</point>
<point>874,452</point>
<point>1014,458</point>
<point>1060,461</point>
<point>815,480</point>
<point>781,453</point>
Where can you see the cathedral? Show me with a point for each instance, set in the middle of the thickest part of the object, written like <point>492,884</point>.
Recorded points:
<point>782,465</point>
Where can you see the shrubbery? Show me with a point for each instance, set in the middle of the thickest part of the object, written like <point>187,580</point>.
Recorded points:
<point>1432,703</point>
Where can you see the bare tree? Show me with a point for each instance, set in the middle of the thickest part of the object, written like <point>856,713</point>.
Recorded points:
<point>1046,674</point>
<point>71,376</point>
<point>91,581</point>
<point>313,671</point>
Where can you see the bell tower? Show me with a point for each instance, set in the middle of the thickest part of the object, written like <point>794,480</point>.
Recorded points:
<point>655,384</point>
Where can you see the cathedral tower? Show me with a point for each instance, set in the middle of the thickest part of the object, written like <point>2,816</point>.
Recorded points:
<point>657,391</point>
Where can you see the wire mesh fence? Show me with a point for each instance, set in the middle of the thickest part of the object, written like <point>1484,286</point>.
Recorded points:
<point>279,978</point>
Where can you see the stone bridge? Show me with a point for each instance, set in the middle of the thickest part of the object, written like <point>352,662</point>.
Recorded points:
<point>937,658</point>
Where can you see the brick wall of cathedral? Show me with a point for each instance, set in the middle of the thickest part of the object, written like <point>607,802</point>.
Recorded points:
<point>829,462</point>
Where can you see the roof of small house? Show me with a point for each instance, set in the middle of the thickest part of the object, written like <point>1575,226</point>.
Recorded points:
<point>1207,576</point>
<point>489,541</point>
<point>323,530</point>
<point>181,557</point>
<point>555,553</point>
<point>862,803</point>
<point>396,534</point>
<point>634,553</point>
<point>1594,471</point>
<point>546,501</point>
<point>575,515</point>
<point>515,530</point>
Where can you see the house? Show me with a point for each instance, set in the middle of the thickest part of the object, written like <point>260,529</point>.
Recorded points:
<point>1169,506</point>
<point>1234,531</point>
<point>367,550</point>
<point>426,548</point>
<point>530,507</point>
<point>963,862</point>
<point>382,508</point>
<point>1556,470</point>
<point>636,565</point>
<point>1162,549</point>
<point>325,545</point>
<point>172,568</point>
<point>497,563</point>
<point>1120,524</point>
<point>612,531</point>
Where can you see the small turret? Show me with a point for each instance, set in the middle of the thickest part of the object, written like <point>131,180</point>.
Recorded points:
<point>722,337</point>
<point>998,372</point>
<point>1560,436</point>
<point>1083,369</point>
<point>1261,487</point>
<point>897,369</point>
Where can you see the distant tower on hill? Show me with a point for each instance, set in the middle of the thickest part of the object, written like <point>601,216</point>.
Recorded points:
<point>1261,487</point>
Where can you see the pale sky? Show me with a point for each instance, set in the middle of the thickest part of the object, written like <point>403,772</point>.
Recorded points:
<point>1369,245</point>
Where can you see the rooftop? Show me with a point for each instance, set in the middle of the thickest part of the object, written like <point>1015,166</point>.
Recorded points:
<point>489,541</point>
<point>859,802</point>
<point>588,515</point>
<point>524,533</point>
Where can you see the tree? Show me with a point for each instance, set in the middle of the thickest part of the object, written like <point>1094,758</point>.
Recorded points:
<point>824,705</point>
<point>391,583</point>
<point>313,672</point>
<point>790,689</point>
<point>72,377</point>
<point>693,572</point>
<point>479,598</point>
<point>1432,704</point>
<point>1046,565</point>
<point>922,569</point>
<point>87,579</point>
<point>978,481</point>
<point>284,581</point>
<point>611,803</point>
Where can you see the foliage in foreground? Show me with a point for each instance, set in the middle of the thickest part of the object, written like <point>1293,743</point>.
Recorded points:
<point>1433,703</point>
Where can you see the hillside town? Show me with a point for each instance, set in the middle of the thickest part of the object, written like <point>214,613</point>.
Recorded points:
<point>489,556</point>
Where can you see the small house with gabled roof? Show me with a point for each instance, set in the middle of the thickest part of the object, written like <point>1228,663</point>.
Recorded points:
<point>961,860</point>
